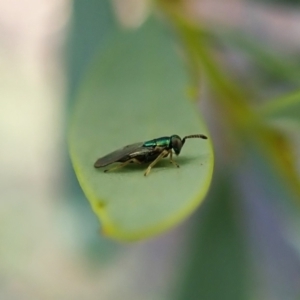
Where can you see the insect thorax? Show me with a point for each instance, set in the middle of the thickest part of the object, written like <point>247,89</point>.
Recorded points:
<point>163,142</point>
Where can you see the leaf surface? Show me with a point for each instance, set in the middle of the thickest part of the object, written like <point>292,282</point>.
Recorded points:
<point>136,91</point>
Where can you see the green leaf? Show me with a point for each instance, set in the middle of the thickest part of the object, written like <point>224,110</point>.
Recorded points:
<point>137,91</point>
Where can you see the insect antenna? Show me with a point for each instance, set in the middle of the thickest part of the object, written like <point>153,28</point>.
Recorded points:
<point>201,136</point>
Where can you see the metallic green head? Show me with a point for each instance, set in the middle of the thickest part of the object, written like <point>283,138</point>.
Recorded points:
<point>177,143</point>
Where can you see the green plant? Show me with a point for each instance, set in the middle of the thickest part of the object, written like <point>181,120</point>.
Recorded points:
<point>140,79</point>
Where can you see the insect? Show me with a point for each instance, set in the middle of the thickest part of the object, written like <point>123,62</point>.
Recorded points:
<point>146,152</point>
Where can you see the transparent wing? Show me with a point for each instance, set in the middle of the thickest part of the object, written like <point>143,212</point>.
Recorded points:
<point>129,151</point>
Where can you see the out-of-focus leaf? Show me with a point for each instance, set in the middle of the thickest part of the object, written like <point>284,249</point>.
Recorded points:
<point>272,63</point>
<point>284,108</point>
<point>93,25</point>
<point>216,264</point>
<point>136,91</point>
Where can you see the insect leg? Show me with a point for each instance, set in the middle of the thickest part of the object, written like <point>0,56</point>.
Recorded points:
<point>123,164</point>
<point>172,161</point>
<point>158,158</point>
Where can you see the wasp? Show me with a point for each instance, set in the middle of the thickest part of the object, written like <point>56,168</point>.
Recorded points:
<point>151,152</point>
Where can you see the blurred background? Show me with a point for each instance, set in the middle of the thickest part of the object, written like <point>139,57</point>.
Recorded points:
<point>242,243</point>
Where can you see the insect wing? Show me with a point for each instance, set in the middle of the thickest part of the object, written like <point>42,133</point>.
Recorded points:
<point>128,151</point>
